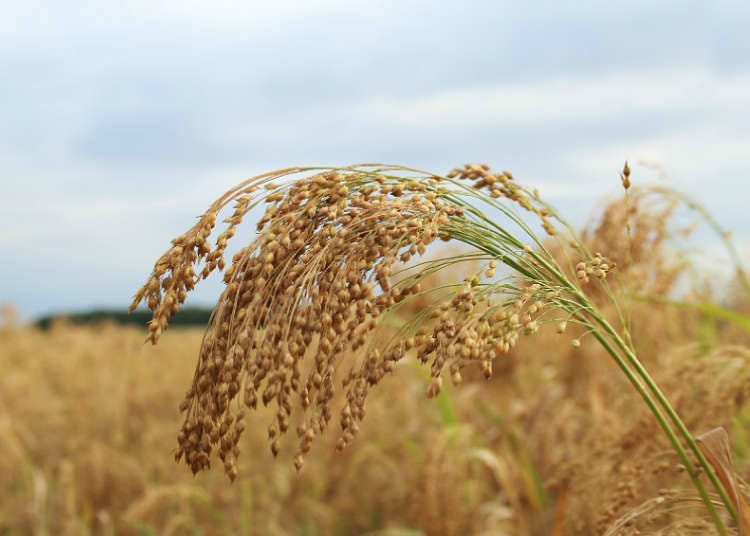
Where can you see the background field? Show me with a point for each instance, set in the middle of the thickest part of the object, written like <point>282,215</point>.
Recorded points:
<point>554,443</point>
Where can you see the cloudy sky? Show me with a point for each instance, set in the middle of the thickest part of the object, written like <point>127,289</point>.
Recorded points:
<point>120,121</point>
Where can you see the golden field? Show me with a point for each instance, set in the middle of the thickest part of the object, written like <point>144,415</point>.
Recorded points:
<point>555,443</point>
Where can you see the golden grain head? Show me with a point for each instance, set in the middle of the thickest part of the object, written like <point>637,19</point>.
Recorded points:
<point>312,287</point>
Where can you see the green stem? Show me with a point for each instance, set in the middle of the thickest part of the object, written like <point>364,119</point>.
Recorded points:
<point>690,468</point>
<point>654,388</point>
<point>638,370</point>
<point>674,417</point>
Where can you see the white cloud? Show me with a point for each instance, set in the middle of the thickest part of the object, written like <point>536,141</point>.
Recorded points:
<point>689,155</point>
<point>570,99</point>
<point>554,189</point>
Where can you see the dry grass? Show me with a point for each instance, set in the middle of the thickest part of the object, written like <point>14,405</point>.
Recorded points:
<point>87,417</point>
<point>552,441</point>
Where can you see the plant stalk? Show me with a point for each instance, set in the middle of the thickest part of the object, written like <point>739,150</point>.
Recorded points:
<point>674,417</point>
<point>660,397</point>
<point>689,467</point>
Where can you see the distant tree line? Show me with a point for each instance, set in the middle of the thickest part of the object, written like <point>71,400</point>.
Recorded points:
<point>189,316</point>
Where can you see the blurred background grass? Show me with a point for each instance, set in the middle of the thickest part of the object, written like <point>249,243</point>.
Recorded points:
<point>555,443</point>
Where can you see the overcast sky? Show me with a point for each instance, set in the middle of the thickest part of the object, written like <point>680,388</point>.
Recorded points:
<point>120,123</point>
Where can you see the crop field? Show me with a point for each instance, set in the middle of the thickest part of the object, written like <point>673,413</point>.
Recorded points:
<point>397,354</point>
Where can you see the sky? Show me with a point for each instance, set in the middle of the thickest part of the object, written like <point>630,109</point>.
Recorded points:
<point>120,121</point>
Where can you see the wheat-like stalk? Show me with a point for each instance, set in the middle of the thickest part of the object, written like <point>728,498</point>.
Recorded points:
<point>331,261</point>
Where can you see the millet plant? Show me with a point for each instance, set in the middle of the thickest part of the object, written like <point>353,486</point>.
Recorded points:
<point>338,250</point>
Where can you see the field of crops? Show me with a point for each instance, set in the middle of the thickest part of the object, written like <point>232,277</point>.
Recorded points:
<point>552,439</point>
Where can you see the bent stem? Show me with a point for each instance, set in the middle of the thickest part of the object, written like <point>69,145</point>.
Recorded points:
<point>654,389</point>
<point>631,366</point>
<point>675,418</point>
<point>689,466</point>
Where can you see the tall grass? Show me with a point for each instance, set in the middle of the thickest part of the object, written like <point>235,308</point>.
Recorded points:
<point>307,304</point>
